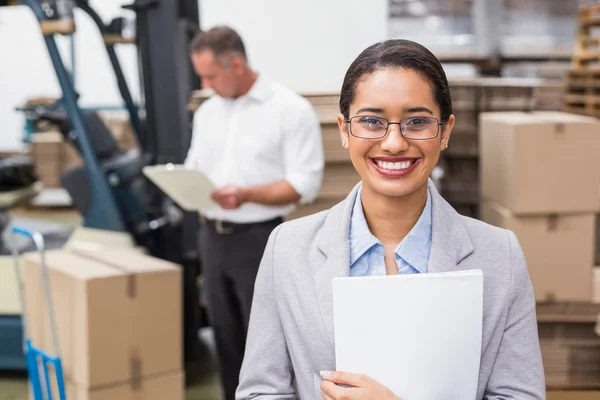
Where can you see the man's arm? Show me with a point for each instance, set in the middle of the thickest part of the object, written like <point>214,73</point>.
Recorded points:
<point>518,372</point>
<point>303,152</point>
<point>278,193</point>
<point>303,158</point>
<point>267,371</point>
<point>304,161</point>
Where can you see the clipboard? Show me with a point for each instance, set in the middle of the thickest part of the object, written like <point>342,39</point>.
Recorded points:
<point>189,188</point>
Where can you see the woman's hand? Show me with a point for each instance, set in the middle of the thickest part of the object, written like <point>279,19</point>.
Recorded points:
<point>361,387</point>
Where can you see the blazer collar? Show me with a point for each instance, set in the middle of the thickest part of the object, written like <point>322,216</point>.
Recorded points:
<point>450,244</point>
<point>448,231</point>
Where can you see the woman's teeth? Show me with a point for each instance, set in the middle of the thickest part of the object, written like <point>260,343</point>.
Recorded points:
<point>394,165</point>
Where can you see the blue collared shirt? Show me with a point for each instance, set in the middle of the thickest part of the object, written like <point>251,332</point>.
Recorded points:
<point>367,252</point>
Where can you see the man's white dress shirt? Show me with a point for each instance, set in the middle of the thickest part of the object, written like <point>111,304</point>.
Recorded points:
<point>267,135</point>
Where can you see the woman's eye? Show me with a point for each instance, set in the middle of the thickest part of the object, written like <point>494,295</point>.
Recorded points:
<point>417,121</point>
<point>370,121</point>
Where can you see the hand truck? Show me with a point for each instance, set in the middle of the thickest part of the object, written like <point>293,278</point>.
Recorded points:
<point>41,385</point>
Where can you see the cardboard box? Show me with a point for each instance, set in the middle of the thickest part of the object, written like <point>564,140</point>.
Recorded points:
<point>596,290</point>
<point>541,162</point>
<point>559,250</point>
<point>47,153</point>
<point>167,386</point>
<point>118,314</point>
<point>10,303</point>
<point>51,156</point>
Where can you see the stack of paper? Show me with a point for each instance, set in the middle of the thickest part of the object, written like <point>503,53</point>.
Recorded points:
<point>419,335</point>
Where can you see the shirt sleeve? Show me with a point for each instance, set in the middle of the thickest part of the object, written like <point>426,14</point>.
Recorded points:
<point>303,151</point>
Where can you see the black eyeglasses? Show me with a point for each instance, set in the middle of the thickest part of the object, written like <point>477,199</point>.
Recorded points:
<point>414,128</point>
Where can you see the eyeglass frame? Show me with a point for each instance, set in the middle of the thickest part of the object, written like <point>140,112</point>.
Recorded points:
<point>399,123</point>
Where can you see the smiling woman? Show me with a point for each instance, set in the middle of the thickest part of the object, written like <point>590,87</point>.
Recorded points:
<point>395,119</point>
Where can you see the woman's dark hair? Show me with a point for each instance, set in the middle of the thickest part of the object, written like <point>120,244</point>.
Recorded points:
<point>398,54</point>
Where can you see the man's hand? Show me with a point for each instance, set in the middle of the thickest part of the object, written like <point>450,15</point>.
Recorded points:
<point>361,387</point>
<point>230,197</point>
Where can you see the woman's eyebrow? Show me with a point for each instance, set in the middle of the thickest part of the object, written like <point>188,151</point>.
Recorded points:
<point>370,109</point>
<point>418,109</point>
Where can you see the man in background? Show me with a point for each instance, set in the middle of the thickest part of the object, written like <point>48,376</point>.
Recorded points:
<point>261,145</point>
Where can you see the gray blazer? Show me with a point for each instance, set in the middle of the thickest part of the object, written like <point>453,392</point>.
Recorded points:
<point>291,336</point>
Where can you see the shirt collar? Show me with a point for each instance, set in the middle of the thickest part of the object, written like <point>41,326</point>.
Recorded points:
<point>261,89</point>
<point>414,248</point>
<point>361,238</point>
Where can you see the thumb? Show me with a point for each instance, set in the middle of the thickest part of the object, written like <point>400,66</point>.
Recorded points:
<point>345,378</point>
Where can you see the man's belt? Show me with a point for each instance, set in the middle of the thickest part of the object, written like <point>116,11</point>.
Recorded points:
<point>228,228</point>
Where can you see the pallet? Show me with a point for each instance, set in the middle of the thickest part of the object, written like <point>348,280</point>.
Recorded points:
<point>589,15</point>
<point>570,346</point>
<point>582,110</point>
<point>583,96</point>
<point>587,48</point>
<point>583,78</point>
<point>582,82</point>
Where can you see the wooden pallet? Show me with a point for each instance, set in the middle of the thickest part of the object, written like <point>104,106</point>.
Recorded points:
<point>582,82</point>
<point>587,48</point>
<point>589,15</point>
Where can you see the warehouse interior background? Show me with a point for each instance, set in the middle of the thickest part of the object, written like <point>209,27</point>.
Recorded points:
<point>513,66</point>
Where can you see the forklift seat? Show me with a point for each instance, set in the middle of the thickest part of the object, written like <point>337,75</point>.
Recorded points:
<point>101,139</point>
<point>122,169</point>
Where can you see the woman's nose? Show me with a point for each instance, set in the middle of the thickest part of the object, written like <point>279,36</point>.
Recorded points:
<point>394,142</point>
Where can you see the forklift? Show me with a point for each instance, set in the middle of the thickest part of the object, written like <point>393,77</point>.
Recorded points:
<point>109,189</point>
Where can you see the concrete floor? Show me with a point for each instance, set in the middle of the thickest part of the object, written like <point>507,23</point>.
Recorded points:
<point>206,385</point>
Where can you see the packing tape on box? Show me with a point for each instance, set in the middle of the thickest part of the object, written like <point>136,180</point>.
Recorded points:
<point>131,281</point>
<point>136,373</point>
<point>552,222</point>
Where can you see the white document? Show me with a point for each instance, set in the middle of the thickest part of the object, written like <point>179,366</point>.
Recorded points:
<point>189,188</point>
<point>419,334</point>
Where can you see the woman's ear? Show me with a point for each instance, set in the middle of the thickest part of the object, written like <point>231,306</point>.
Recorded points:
<point>343,127</point>
<point>446,132</point>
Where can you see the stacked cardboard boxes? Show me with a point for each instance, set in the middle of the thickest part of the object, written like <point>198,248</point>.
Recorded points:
<point>540,178</point>
<point>471,97</point>
<point>118,315</point>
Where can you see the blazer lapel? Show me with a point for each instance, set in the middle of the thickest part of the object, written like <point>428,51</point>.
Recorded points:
<point>450,245</point>
<point>450,241</point>
<point>333,240</point>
